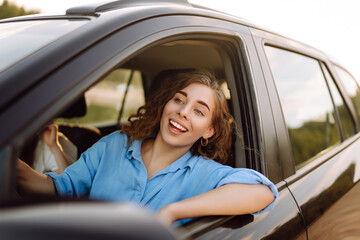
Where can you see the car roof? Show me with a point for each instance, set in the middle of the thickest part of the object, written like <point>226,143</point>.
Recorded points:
<point>114,7</point>
<point>114,10</point>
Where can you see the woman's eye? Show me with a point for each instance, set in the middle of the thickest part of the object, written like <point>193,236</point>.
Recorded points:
<point>178,100</point>
<point>199,112</point>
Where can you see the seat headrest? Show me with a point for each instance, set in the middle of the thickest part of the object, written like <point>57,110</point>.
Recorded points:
<point>163,79</point>
<point>76,109</point>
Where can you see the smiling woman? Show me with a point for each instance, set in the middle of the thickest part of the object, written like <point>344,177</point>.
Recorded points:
<point>215,117</point>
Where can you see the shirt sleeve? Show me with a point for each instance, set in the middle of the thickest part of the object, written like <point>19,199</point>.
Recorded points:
<point>77,179</point>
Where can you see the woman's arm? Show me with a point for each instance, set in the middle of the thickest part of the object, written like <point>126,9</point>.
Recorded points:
<point>229,199</point>
<point>52,140</point>
<point>30,181</point>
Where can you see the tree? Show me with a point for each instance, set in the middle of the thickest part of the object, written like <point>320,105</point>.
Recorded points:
<point>8,9</point>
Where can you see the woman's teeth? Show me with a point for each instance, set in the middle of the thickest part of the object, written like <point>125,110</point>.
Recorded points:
<point>178,126</point>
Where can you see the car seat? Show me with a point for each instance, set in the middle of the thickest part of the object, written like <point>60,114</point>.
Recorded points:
<point>82,136</point>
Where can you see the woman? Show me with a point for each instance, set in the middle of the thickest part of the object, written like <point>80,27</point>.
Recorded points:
<point>162,159</point>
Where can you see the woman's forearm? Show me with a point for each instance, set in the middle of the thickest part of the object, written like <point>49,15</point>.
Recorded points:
<point>30,181</point>
<point>51,138</point>
<point>230,199</point>
<point>60,158</point>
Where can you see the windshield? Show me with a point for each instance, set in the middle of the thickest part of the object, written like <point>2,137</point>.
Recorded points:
<point>20,39</point>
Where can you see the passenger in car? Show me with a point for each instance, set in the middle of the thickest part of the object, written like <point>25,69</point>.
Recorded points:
<point>162,159</point>
<point>49,151</point>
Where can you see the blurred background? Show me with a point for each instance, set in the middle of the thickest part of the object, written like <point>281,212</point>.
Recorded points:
<point>332,26</point>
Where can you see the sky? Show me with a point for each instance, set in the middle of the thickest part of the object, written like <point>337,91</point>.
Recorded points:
<point>332,26</point>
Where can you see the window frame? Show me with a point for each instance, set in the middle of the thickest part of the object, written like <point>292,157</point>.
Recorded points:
<point>345,95</point>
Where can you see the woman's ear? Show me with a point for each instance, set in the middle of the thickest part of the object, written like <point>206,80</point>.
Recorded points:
<point>209,133</point>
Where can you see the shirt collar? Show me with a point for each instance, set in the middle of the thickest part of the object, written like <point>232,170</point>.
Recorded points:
<point>134,150</point>
<point>186,160</point>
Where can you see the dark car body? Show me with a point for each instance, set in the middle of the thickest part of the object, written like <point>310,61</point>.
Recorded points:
<point>41,77</point>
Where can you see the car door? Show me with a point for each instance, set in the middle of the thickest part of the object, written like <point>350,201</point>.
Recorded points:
<point>319,126</point>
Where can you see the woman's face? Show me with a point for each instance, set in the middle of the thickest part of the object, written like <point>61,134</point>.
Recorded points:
<point>188,116</point>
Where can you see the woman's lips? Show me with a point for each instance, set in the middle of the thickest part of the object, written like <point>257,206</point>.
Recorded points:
<point>176,127</point>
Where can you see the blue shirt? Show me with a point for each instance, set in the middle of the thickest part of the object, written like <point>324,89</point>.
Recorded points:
<point>111,170</point>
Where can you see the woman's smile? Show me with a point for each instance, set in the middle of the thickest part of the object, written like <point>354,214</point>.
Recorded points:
<point>176,127</point>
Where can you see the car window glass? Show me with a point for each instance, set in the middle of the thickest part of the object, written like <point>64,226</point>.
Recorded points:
<point>351,87</point>
<point>346,121</point>
<point>306,103</point>
<point>15,37</point>
<point>118,95</point>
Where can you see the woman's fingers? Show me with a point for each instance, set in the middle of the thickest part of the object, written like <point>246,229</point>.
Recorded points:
<point>50,135</point>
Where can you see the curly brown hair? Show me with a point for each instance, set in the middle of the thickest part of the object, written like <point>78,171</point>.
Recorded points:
<point>146,122</point>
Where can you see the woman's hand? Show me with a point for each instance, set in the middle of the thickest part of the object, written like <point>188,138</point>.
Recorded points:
<point>51,138</point>
<point>50,135</point>
<point>30,181</point>
<point>166,216</point>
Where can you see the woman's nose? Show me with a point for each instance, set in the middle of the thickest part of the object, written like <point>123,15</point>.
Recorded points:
<point>184,111</point>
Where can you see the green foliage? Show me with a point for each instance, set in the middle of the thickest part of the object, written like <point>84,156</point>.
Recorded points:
<point>311,138</point>
<point>346,121</point>
<point>9,9</point>
<point>356,100</point>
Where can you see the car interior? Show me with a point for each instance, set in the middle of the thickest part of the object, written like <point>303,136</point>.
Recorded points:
<point>105,106</point>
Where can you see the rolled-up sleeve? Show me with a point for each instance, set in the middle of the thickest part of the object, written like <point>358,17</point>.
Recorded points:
<point>76,180</point>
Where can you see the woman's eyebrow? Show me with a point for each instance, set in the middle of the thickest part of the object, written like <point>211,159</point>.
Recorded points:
<point>204,104</point>
<point>199,101</point>
<point>182,93</point>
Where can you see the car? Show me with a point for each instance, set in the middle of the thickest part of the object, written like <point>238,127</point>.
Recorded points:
<point>297,112</point>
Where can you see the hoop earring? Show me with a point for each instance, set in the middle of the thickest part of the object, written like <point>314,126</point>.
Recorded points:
<point>206,142</point>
